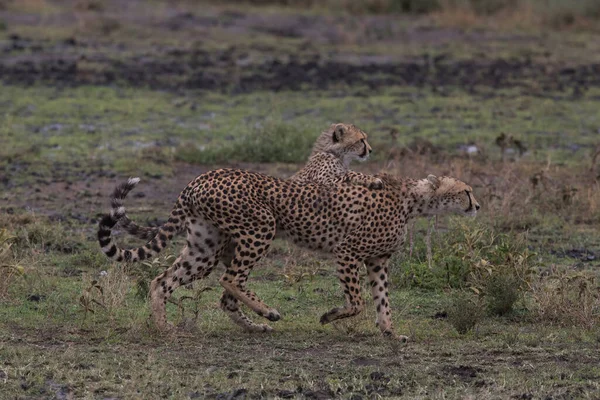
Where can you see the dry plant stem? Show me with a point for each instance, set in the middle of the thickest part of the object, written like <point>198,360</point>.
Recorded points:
<point>595,157</point>
<point>411,229</point>
<point>428,242</point>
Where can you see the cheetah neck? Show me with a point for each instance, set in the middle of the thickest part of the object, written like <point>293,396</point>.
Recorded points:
<point>345,160</point>
<point>419,196</point>
<point>331,156</point>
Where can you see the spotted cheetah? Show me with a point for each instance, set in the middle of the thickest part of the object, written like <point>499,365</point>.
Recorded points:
<point>245,208</point>
<point>328,163</point>
<point>331,155</point>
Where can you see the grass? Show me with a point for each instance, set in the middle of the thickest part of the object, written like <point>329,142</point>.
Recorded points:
<point>75,131</point>
<point>61,334</point>
<point>553,14</point>
<point>267,142</point>
<point>74,325</point>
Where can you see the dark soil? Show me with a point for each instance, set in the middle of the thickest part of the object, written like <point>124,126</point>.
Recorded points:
<point>283,51</point>
<point>579,254</point>
<point>28,62</point>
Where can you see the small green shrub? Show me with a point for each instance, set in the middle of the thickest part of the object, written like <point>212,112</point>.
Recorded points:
<point>486,253</point>
<point>271,142</point>
<point>39,233</point>
<point>411,273</point>
<point>467,256</point>
<point>464,311</point>
<point>502,291</point>
<point>45,235</point>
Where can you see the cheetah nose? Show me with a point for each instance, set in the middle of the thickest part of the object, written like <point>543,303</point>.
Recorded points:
<point>477,207</point>
<point>370,151</point>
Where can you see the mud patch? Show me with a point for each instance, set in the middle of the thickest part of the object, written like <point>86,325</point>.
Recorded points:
<point>220,70</point>
<point>363,361</point>
<point>578,254</point>
<point>464,372</point>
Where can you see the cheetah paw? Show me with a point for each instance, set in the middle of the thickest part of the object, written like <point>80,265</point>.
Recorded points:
<point>260,328</point>
<point>326,318</point>
<point>399,338</point>
<point>273,315</point>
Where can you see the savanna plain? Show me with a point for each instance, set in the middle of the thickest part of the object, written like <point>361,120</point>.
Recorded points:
<point>504,95</point>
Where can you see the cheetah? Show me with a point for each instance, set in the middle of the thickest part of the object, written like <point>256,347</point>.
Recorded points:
<point>354,223</point>
<point>328,163</point>
<point>331,155</point>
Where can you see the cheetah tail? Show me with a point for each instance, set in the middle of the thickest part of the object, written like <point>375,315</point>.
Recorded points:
<point>117,209</point>
<point>141,232</point>
<point>156,242</point>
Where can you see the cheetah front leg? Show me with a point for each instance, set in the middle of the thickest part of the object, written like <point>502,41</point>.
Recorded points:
<point>235,277</point>
<point>250,248</point>
<point>378,279</point>
<point>368,181</point>
<point>230,306</point>
<point>349,280</point>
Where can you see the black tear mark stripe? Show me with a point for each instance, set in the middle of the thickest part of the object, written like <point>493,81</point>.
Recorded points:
<point>470,202</point>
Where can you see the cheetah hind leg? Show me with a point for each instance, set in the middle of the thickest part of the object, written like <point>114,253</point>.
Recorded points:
<point>378,280</point>
<point>350,282</point>
<point>230,305</point>
<point>196,261</point>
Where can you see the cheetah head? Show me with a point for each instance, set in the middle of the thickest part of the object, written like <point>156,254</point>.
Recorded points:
<point>344,140</point>
<point>451,195</point>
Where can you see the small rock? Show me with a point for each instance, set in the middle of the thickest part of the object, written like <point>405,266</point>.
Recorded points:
<point>238,394</point>
<point>440,315</point>
<point>286,394</point>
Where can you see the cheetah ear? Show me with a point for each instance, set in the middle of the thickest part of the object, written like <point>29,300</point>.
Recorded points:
<point>339,131</point>
<point>434,181</point>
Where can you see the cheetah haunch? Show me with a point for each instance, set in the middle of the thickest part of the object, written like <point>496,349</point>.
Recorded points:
<point>247,209</point>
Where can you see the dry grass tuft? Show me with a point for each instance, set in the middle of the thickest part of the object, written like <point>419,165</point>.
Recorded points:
<point>9,266</point>
<point>107,293</point>
<point>568,299</point>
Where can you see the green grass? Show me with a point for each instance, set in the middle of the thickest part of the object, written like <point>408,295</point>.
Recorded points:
<point>53,342</point>
<point>74,131</point>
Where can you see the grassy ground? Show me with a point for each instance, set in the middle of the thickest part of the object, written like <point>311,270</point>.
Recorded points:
<point>96,93</point>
